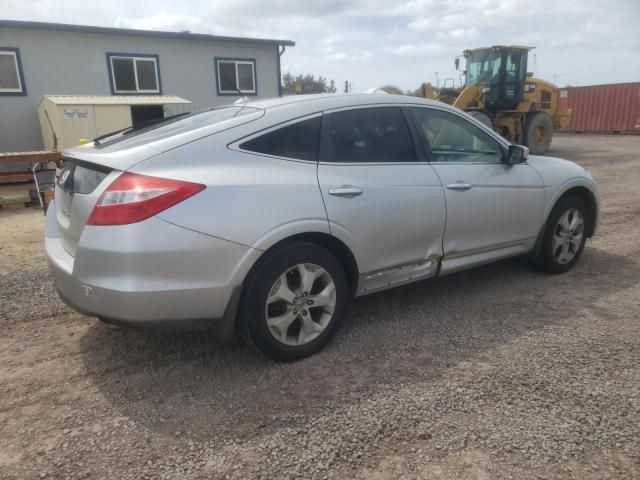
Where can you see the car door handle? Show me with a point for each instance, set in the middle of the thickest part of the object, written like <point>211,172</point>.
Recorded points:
<point>459,186</point>
<point>346,191</point>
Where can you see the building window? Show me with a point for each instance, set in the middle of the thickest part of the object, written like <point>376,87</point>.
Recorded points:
<point>133,73</point>
<point>235,74</point>
<point>11,79</point>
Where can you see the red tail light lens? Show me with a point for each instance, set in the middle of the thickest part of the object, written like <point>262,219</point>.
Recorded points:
<point>132,198</point>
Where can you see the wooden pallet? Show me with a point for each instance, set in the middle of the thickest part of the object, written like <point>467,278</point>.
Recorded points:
<point>13,194</point>
<point>25,161</point>
<point>11,158</point>
<point>14,177</point>
<point>16,199</point>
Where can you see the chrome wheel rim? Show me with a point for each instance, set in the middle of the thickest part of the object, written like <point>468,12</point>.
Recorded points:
<point>567,236</point>
<point>300,304</point>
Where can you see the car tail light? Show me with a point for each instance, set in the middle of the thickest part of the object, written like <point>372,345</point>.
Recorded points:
<point>132,198</point>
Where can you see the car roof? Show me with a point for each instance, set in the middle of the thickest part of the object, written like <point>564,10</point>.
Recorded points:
<point>324,101</point>
<point>272,111</point>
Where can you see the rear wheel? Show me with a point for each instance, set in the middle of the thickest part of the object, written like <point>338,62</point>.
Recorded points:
<point>564,236</point>
<point>294,302</point>
<point>538,132</point>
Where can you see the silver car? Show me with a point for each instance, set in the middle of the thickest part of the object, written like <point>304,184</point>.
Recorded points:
<point>265,218</point>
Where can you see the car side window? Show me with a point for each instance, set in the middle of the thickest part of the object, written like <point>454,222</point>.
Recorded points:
<point>454,139</point>
<point>298,141</point>
<point>366,135</point>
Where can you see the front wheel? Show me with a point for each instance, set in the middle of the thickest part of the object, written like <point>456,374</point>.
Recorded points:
<point>538,132</point>
<point>294,302</point>
<point>564,236</point>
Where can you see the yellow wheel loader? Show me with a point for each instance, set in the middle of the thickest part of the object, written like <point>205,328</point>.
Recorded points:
<point>500,93</point>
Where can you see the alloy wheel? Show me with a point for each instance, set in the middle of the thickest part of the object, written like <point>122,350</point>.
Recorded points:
<point>300,304</point>
<point>567,236</point>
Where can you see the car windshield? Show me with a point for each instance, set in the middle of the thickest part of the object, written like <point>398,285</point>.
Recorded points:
<point>176,124</point>
<point>483,67</point>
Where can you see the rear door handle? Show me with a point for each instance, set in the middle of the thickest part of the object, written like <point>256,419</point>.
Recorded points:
<point>459,186</point>
<point>346,191</point>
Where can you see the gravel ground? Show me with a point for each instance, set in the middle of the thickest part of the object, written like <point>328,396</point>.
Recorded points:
<point>21,234</point>
<point>498,372</point>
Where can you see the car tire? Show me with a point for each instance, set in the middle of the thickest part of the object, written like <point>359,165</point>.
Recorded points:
<point>281,317</point>
<point>564,236</point>
<point>538,132</point>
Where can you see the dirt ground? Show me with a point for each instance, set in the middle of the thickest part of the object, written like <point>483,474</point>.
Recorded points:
<point>499,372</point>
<point>21,234</point>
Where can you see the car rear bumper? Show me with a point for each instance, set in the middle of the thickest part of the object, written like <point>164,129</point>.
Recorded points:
<point>151,275</point>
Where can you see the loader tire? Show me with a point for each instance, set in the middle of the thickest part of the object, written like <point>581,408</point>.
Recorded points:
<point>538,132</point>
<point>482,117</point>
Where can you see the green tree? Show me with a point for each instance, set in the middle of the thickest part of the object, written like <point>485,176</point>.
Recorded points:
<point>305,84</point>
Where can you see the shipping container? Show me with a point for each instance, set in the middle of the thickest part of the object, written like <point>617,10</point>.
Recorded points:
<point>613,108</point>
<point>69,120</point>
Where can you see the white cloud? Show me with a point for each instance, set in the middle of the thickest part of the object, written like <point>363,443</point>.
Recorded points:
<point>374,42</point>
<point>350,56</point>
<point>460,33</point>
<point>161,21</point>
<point>413,49</point>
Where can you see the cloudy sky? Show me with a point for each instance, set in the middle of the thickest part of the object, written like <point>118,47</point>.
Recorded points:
<point>403,43</point>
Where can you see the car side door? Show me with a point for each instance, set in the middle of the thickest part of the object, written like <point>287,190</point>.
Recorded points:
<point>494,210</point>
<point>383,199</point>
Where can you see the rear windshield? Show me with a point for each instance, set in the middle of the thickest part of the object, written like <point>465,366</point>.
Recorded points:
<point>176,125</point>
<point>81,177</point>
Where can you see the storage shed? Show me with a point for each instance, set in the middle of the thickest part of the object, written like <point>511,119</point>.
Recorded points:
<point>67,120</point>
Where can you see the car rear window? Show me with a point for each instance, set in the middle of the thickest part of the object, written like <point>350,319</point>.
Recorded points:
<point>177,125</point>
<point>81,177</point>
<point>298,141</point>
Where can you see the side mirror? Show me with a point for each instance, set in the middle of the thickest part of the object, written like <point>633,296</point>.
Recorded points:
<point>517,154</point>
<point>457,63</point>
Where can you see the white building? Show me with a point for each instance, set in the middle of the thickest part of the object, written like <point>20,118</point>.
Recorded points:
<point>38,59</point>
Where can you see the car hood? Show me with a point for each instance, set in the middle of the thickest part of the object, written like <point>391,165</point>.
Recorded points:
<point>555,171</point>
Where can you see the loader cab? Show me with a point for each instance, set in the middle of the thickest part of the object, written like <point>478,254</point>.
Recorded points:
<point>502,70</point>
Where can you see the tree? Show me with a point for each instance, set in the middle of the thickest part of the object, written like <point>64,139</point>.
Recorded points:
<point>304,84</point>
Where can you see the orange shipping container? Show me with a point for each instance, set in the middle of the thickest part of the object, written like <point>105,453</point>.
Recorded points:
<point>613,108</point>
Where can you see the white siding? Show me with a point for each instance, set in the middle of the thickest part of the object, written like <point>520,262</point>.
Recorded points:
<point>73,63</point>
